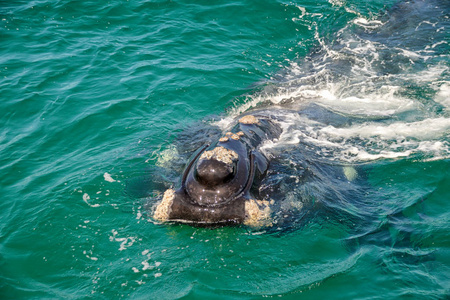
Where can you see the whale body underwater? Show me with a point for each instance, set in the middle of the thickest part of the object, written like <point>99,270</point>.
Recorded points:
<point>230,181</point>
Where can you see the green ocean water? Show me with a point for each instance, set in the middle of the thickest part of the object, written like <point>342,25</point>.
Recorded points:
<point>101,105</point>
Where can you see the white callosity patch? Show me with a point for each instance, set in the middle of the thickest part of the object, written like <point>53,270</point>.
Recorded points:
<point>163,207</point>
<point>234,136</point>
<point>257,213</point>
<point>249,119</point>
<point>221,154</point>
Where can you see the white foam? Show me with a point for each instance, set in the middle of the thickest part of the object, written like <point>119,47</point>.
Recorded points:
<point>165,157</point>
<point>363,22</point>
<point>366,141</point>
<point>125,242</point>
<point>411,54</point>
<point>437,44</point>
<point>86,198</point>
<point>89,256</point>
<point>370,105</point>
<point>363,155</point>
<point>426,129</point>
<point>303,11</point>
<point>430,75</point>
<point>400,139</point>
<point>146,266</point>
<point>351,78</point>
<point>108,177</point>
<point>350,173</point>
<point>443,95</point>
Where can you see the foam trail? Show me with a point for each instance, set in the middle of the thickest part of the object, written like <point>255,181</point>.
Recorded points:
<point>422,130</point>
<point>393,91</point>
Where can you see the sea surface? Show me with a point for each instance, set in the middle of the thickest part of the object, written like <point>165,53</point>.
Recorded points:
<point>103,102</point>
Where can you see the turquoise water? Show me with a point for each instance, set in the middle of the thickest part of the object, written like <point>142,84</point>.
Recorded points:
<point>103,102</point>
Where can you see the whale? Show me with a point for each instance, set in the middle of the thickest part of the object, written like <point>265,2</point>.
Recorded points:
<point>219,184</point>
<point>251,173</point>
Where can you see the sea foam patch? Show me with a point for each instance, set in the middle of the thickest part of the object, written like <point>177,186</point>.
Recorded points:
<point>443,95</point>
<point>422,130</point>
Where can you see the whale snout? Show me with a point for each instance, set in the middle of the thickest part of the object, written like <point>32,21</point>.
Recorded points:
<point>215,186</point>
<point>211,172</point>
